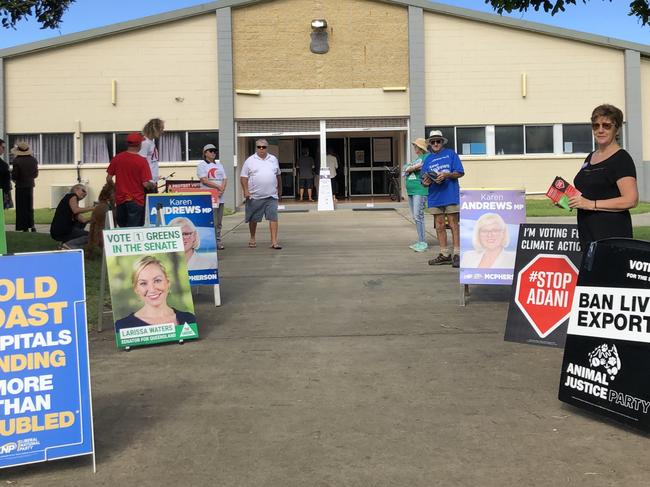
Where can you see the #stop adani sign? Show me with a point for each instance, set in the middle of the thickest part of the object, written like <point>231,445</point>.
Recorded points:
<point>544,291</point>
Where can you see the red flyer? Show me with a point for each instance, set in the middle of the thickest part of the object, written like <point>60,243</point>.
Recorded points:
<point>560,191</point>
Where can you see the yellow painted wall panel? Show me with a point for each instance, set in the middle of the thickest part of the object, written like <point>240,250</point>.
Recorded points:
<point>368,45</point>
<point>473,75</point>
<point>322,103</point>
<point>49,90</point>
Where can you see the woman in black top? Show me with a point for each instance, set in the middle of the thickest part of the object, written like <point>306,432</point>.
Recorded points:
<point>607,181</point>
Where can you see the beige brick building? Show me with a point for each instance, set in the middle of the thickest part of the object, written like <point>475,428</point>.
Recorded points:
<point>512,97</point>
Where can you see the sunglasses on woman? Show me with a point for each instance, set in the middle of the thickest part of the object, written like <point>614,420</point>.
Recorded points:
<point>604,125</point>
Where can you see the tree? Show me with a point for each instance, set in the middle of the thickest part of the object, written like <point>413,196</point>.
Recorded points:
<point>47,12</point>
<point>638,8</point>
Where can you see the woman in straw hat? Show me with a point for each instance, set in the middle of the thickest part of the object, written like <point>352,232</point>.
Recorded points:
<point>24,172</point>
<point>417,193</point>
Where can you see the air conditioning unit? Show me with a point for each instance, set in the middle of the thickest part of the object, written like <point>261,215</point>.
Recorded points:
<point>57,191</point>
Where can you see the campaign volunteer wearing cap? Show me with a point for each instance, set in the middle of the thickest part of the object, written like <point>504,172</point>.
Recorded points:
<point>212,175</point>
<point>132,176</point>
<point>417,192</point>
<point>24,172</point>
<point>442,169</point>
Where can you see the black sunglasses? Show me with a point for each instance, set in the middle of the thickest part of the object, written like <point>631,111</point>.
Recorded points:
<point>438,141</point>
<point>261,147</point>
<point>211,150</point>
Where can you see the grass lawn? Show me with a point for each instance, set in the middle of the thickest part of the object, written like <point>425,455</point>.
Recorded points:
<point>544,207</point>
<point>34,242</point>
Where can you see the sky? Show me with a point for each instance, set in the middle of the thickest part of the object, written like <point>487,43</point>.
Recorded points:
<point>600,17</point>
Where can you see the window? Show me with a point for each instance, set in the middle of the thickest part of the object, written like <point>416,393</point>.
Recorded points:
<point>577,138</point>
<point>196,142</point>
<point>172,147</point>
<point>539,139</point>
<point>33,140</point>
<point>97,148</point>
<point>509,139</point>
<point>48,148</point>
<point>471,140</point>
<point>447,132</point>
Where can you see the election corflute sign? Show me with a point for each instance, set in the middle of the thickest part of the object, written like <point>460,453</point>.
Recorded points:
<point>489,224</point>
<point>45,381</point>
<point>150,289</point>
<point>607,351</point>
<point>194,214</point>
<point>546,274</point>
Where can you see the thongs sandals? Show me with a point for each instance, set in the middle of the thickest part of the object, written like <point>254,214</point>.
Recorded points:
<point>220,247</point>
<point>276,247</point>
<point>252,244</point>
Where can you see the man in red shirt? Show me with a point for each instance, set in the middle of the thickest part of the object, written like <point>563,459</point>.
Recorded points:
<point>132,176</point>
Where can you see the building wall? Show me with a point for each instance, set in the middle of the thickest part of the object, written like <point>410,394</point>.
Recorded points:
<point>533,173</point>
<point>50,90</point>
<point>473,75</point>
<point>327,103</point>
<point>645,106</point>
<point>368,43</point>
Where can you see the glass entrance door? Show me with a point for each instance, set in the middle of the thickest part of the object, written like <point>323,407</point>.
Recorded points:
<point>369,159</point>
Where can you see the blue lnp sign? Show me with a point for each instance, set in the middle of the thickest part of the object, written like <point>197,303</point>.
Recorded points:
<point>45,381</point>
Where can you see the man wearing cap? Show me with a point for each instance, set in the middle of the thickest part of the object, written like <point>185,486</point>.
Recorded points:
<point>212,175</point>
<point>132,177</point>
<point>441,170</point>
<point>262,189</point>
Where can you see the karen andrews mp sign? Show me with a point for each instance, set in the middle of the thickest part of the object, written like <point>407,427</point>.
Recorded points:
<point>45,381</point>
<point>607,351</point>
<point>489,224</point>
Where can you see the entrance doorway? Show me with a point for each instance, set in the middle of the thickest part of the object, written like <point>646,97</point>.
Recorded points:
<point>363,162</point>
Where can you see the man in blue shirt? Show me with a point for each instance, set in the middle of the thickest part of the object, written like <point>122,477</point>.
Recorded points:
<point>441,171</point>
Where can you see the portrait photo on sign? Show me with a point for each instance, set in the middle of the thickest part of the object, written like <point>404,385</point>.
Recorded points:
<point>488,243</point>
<point>150,290</point>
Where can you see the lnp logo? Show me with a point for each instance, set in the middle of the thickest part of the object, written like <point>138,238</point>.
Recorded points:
<point>8,448</point>
<point>559,184</point>
<point>606,357</point>
<point>212,173</point>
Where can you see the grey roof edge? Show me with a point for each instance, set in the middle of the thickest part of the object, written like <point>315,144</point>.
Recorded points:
<point>426,5</point>
<point>526,25</point>
<point>107,30</point>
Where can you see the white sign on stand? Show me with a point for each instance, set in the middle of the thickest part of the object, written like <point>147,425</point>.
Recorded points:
<point>325,199</point>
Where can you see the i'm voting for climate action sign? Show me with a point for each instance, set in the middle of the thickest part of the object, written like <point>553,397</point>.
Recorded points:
<point>607,351</point>
<point>546,274</point>
<point>45,381</point>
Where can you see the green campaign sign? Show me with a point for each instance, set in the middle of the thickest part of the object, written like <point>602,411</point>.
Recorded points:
<point>150,287</point>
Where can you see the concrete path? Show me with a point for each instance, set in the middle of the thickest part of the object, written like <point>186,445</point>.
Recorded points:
<point>341,360</point>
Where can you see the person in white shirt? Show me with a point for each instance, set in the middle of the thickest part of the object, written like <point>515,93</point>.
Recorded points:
<point>332,163</point>
<point>212,175</point>
<point>262,188</point>
<point>152,130</point>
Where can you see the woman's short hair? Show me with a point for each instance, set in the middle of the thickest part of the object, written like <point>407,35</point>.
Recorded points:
<point>610,111</point>
<point>180,221</point>
<point>488,219</point>
<point>78,186</point>
<point>153,128</point>
<point>140,265</point>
